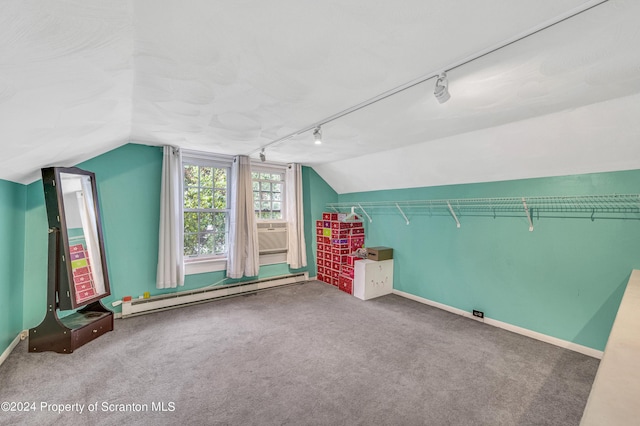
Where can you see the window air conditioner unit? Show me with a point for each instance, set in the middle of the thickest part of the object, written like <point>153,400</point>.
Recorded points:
<point>272,237</point>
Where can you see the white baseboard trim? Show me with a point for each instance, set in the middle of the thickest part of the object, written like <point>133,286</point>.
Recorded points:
<point>505,326</point>
<point>23,335</point>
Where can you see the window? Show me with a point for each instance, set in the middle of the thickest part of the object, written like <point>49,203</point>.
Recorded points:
<point>268,194</point>
<point>206,209</point>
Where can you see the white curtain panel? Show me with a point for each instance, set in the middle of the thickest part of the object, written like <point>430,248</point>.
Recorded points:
<point>297,253</point>
<point>171,245</point>
<point>243,254</point>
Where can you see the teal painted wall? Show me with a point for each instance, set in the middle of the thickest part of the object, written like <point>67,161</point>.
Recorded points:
<point>565,279</point>
<point>12,229</point>
<point>129,193</point>
<point>316,194</point>
<point>35,264</point>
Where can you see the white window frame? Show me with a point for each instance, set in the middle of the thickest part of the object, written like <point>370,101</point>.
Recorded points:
<point>259,167</point>
<point>208,263</point>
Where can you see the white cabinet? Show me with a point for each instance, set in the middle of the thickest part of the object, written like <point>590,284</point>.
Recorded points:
<point>372,278</point>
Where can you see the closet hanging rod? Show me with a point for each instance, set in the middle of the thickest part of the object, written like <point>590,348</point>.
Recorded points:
<point>609,203</point>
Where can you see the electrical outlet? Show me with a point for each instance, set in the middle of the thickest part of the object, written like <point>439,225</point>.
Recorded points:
<point>478,314</point>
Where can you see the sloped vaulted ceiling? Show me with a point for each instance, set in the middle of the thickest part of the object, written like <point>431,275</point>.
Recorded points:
<point>66,80</point>
<point>78,78</point>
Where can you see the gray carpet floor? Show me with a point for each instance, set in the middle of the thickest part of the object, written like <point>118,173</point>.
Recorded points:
<point>306,354</point>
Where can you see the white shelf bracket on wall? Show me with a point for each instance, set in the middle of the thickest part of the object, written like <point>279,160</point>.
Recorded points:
<point>454,215</point>
<point>365,213</point>
<point>402,213</point>
<point>526,210</point>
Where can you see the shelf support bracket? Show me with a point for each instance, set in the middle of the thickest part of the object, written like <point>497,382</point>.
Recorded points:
<point>454,215</point>
<point>526,210</point>
<point>402,213</point>
<point>365,213</point>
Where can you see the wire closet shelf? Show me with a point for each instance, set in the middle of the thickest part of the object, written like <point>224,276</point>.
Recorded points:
<point>613,206</point>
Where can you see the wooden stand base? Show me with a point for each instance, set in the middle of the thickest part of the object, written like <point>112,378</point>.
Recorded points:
<point>64,335</point>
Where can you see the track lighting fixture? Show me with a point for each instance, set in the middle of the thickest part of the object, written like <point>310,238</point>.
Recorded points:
<point>317,135</point>
<point>262,156</point>
<point>441,91</point>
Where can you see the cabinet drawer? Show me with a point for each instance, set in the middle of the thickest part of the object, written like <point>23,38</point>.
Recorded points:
<point>93,330</point>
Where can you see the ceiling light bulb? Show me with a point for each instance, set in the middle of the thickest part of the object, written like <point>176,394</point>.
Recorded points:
<point>262,156</point>
<point>317,135</point>
<point>441,91</point>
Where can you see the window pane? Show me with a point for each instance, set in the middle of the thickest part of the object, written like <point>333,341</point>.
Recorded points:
<point>265,186</point>
<point>265,215</point>
<point>265,196</point>
<point>190,245</point>
<point>256,205</point>
<point>220,199</point>
<point>276,206</point>
<point>220,243</point>
<point>220,178</point>
<point>255,175</point>
<point>190,176</point>
<point>206,198</point>
<point>206,177</point>
<point>190,222</point>
<point>256,186</point>
<point>277,196</point>
<point>206,243</point>
<point>191,198</point>
<point>276,177</point>
<point>206,222</point>
<point>266,176</point>
<point>219,222</point>
<point>277,187</point>
<point>266,205</point>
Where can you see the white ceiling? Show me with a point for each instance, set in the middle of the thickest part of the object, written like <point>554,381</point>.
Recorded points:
<point>78,78</point>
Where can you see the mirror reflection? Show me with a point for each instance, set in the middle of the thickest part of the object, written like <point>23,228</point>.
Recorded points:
<point>82,234</point>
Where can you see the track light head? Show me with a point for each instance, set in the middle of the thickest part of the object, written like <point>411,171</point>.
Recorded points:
<point>441,91</point>
<point>317,135</point>
<point>263,158</point>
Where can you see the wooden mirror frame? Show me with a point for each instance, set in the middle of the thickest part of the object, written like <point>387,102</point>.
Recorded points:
<point>69,293</point>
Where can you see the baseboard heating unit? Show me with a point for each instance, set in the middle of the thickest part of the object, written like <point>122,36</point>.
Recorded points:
<point>192,297</point>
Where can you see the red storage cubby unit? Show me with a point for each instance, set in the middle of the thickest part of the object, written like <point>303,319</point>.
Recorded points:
<point>345,284</point>
<point>336,241</point>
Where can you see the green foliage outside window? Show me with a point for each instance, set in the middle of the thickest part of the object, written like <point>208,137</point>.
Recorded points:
<point>205,210</point>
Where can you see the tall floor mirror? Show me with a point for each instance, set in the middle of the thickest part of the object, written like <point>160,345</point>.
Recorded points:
<point>77,277</point>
